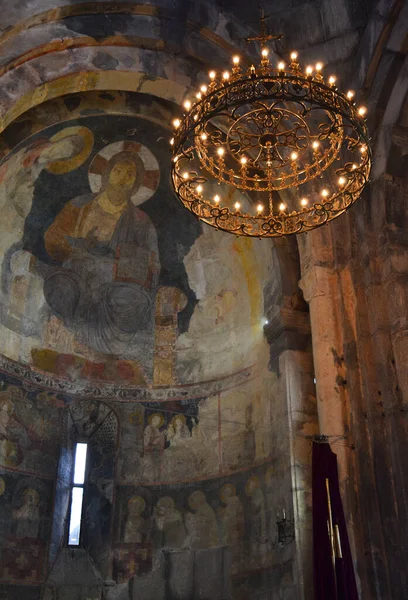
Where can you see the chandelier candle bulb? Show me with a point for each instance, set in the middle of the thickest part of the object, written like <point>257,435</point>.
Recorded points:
<point>237,205</point>
<point>294,133</point>
<point>172,142</point>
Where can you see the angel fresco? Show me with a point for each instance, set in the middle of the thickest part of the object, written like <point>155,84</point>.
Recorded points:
<point>178,432</point>
<point>65,151</point>
<point>107,248</point>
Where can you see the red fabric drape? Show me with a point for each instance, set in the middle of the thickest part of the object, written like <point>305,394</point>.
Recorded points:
<point>330,583</point>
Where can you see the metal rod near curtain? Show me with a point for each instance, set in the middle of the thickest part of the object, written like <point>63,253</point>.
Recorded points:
<point>334,577</point>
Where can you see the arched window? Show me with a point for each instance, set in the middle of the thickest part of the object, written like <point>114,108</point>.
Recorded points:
<point>84,490</point>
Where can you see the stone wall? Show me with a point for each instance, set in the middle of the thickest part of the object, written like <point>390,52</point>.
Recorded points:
<point>213,427</point>
<point>354,280</point>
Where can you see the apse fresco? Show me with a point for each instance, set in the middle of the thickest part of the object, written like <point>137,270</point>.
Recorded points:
<point>85,269</point>
<point>191,480</point>
<point>237,512</point>
<point>104,275</point>
<point>110,287</point>
<point>171,441</point>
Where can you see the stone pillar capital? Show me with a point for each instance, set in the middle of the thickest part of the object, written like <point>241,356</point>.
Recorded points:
<point>316,281</point>
<point>288,329</point>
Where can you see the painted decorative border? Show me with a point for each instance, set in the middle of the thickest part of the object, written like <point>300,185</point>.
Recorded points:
<point>83,389</point>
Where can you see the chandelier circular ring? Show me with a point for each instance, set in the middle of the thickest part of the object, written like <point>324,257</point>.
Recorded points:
<point>269,133</point>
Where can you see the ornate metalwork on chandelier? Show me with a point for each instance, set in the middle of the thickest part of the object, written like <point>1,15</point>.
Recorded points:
<point>257,151</point>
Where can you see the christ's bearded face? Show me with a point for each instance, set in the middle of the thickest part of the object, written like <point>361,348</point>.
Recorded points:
<point>123,175</point>
<point>121,181</point>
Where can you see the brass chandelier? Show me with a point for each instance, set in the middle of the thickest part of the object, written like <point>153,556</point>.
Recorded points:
<point>270,150</point>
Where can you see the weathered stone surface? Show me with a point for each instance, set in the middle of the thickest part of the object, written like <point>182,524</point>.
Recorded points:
<point>201,431</point>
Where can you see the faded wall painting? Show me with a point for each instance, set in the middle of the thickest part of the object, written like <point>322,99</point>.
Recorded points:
<point>25,523</point>
<point>104,275</point>
<point>30,427</point>
<point>106,278</point>
<point>196,437</point>
<point>233,512</point>
<point>29,430</point>
<point>88,272</point>
<point>107,248</point>
<point>164,494</point>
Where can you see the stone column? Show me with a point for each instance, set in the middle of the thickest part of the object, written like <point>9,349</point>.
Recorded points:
<point>296,369</point>
<point>289,336</point>
<point>321,289</point>
<point>329,291</point>
<point>355,279</point>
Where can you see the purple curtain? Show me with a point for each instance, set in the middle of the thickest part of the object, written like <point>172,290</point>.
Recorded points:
<point>330,582</point>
